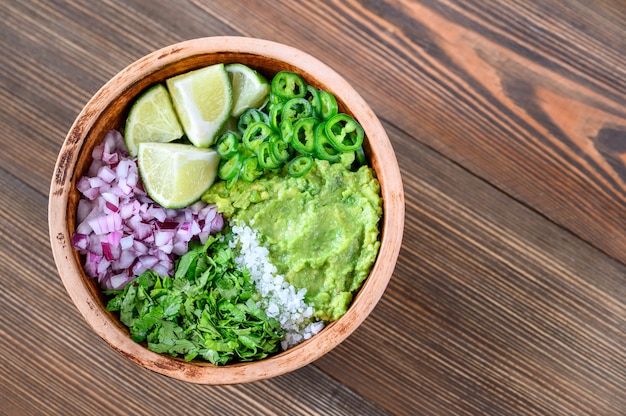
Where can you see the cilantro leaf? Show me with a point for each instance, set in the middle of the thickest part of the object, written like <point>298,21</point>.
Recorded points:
<point>207,310</point>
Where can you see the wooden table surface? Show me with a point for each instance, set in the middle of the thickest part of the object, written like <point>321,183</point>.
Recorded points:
<point>508,119</point>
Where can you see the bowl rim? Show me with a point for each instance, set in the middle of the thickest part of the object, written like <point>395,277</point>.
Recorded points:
<point>75,281</point>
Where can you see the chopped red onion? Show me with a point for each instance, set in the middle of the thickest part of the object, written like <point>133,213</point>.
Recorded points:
<point>106,223</point>
<point>163,237</point>
<point>111,198</point>
<point>217,224</point>
<point>180,248</point>
<point>155,212</point>
<point>114,238</point>
<point>121,232</point>
<point>139,247</point>
<point>118,281</point>
<point>80,241</point>
<point>91,263</point>
<point>162,268</point>
<point>126,260</point>
<point>106,250</point>
<point>106,174</point>
<point>126,242</point>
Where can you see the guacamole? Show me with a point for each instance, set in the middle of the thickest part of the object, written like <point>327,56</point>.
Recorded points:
<point>321,229</point>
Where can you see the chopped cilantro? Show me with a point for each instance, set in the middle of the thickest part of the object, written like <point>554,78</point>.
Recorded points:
<point>208,310</point>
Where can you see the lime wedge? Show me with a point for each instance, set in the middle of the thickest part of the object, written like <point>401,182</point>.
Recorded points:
<point>152,118</point>
<point>203,100</point>
<point>250,89</point>
<point>176,175</point>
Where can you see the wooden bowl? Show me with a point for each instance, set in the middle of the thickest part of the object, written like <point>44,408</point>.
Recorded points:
<point>108,109</point>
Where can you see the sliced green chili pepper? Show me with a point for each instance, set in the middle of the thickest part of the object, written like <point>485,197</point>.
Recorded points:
<point>230,184</point>
<point>274,99</point>
<point>227,144</point>
<point>328,105</point>
<point>296,108</point>
<point>286,85</point>
<point>265,156</point>
<point>344,132</point>
<point>276,114</point>
<point>279,148</point>
<point>286,130</point>
<point>300,165</point>
<point>323,147</point>
<point>250,116</point>
<point>313,96</point>
<point>229,168</point>
<point>360,156</point>
<point>255,134</point>
<point>303,136</point>
<point>250,169</point>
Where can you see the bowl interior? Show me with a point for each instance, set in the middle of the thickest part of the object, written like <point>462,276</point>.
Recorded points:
<point>108,109</point>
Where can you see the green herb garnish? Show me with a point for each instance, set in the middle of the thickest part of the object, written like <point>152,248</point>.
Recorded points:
<point>208,310</point>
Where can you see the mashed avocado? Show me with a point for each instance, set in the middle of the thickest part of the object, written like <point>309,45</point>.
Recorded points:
<point>321,229</point>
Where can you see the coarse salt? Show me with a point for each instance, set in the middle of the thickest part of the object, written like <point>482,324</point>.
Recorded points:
<point>280,299</point>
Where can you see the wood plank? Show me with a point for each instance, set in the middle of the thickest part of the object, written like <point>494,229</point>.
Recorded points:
<point>492,309</point>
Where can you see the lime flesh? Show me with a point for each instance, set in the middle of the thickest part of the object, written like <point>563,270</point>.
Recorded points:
<point>203,101</point>
<point>250,89</point>
<point>152,118</point>
<point>176,175</point>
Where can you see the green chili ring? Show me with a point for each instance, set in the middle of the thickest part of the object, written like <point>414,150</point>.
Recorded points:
<point>227,144</point>
<point>276,114</point>
<point>313,96</point>
<point>287,85</point>
<point>328,105</point>
<point>266,157</point>
<point>360,156</point>
<point>250,169</point>
<point>274,99</point>
<point>255,134</point>
<point>286,130</point>
<point>344,133</point>
<point>229,168</point>
<point>299,166</point>
<point>296,109</point>
<point>303,135</point>
<point>230,184</point>
<point>323,147</point>
<point>279,148</point>
<point>251,115</point>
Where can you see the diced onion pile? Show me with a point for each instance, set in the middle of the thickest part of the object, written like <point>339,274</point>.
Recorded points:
<point>121,231</point>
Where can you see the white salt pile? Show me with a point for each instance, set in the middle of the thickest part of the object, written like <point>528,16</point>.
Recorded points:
<point>280,299</point>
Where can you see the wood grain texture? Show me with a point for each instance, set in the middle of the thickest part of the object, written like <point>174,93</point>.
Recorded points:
<point>509,123</point>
